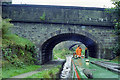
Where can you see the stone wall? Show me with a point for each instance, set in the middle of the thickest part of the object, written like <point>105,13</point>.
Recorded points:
<point>59,14</point>
<point>38,33</point>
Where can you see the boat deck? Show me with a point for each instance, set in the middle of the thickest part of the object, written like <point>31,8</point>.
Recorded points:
<point>88,70</point>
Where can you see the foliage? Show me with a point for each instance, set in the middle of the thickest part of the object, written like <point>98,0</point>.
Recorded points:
<point>42,17</point>
<point>5,26</point>
<point>14,40</point>
<point>61,53</point>
<point>17,57</point>
<point>17,50</point>
<point>116,11</point>
<point>117,25</point>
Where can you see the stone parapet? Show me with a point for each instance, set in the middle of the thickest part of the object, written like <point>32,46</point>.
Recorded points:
<point>58,14</point>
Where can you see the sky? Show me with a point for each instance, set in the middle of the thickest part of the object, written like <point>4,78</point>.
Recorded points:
<point>81,3</point>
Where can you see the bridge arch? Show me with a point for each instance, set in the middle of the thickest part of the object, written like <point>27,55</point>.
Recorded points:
<point>58,36</point>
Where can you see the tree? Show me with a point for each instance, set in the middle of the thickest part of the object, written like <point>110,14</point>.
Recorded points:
<point>117,25</point>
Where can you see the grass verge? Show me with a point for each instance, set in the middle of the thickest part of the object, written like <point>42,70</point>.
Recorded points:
<point>50,73</point>
<point>11,71</point>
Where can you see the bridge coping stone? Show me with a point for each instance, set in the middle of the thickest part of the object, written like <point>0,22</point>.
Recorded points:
<point>58,14</point>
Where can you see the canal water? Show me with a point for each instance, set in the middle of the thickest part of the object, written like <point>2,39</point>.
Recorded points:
<point>66,72</point>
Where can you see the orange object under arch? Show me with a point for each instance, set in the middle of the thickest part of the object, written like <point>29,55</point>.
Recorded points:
<point>78,51</point>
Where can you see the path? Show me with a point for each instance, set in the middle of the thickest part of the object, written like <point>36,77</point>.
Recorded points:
<point>48,65</point>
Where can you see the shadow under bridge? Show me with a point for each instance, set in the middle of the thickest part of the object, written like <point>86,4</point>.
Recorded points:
<point>47,47</point>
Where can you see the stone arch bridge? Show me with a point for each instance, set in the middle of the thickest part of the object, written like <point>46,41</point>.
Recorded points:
<point>47,26</point>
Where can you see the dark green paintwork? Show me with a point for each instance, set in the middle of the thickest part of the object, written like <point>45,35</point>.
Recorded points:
<point>98,72</point>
